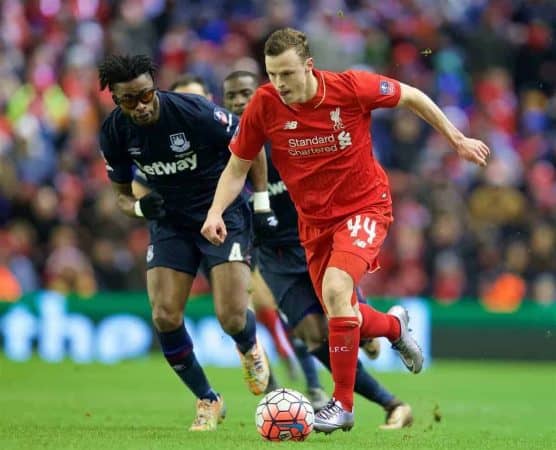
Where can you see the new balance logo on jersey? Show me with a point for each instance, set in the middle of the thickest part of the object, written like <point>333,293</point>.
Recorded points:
<point>359,243</point>
<point>170,167</point>
<point>179,143</point>
<point>336,119</point>
<point>290,125</point>
<point>344,139</point>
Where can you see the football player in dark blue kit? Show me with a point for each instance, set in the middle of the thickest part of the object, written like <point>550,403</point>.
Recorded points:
<point>262,298</point>
<point>180,143</point>
<point>282,264</point>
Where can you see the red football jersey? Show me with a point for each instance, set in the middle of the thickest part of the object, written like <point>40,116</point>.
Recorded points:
<point>322,148</point>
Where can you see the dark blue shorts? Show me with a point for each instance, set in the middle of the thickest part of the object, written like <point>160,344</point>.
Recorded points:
<point>289,281</point>
<point>285,272</point>
<point>181,248</point>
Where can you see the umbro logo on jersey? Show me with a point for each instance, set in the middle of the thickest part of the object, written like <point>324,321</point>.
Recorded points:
<point>290,125</point>
<point>134,151</point>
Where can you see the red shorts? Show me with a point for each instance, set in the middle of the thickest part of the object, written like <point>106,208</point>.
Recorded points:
<point>356,241</point>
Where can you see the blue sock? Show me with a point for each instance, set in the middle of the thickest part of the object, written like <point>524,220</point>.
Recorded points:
<point>307,363</point>
<point>365,384</point>
<point>371,389</point>
<point>246,338</point>
<point>178,351</point>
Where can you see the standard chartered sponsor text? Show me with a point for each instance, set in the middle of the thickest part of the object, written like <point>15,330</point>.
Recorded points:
<point>315,140</point>
<point>314,145</point>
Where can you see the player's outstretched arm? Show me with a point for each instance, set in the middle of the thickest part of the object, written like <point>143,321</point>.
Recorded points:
<point>417,101</point>
<point>229,186</point>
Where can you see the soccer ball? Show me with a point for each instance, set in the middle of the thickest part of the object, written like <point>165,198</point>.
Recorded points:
<point>284,414</point>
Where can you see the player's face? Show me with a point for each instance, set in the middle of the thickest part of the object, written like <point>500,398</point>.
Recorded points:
<point>137,98</point>
<point>290,76</point>
<point>238,92</point>
<point>193,88</point>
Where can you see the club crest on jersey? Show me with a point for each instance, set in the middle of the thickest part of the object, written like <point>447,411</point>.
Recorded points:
<point>179,143</point>
<point>336,119</point>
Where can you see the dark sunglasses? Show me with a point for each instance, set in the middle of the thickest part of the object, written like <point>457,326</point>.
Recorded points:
<point>129,101</point>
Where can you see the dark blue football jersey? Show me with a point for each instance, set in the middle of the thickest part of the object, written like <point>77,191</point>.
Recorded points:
<point>182,155</point>
<point>283,207</point>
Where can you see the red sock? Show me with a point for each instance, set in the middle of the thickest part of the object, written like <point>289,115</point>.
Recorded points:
<point>343,337</point>
<point>377,324</point>
<point>270,319</point>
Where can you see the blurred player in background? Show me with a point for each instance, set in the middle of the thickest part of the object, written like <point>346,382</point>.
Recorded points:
<point>180,143</point>
<point>318,125</point>
<point>283,266</point>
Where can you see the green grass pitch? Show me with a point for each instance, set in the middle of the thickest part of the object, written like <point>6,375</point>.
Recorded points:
<point>142,405</point>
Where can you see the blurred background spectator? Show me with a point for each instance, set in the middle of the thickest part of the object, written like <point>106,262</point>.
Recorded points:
<point>460,232</point>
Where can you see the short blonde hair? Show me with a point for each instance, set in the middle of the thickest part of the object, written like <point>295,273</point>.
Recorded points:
<point>284,39</point>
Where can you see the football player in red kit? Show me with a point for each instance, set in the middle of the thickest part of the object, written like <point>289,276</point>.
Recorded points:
<point>317,123</point>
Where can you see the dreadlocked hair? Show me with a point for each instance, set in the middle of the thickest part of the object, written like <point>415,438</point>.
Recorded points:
<point>122,68</point>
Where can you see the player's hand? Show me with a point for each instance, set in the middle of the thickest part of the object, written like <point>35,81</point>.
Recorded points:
<point>473,150</point>
<point>265,224</point>
<point>214,229</point>
<point>151,206</point>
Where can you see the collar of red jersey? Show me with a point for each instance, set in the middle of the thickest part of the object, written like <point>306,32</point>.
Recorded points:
<point>318,98</point>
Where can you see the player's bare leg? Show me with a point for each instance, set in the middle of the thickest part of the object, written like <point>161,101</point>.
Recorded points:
<point>168,290</point>
<point>230,282</point>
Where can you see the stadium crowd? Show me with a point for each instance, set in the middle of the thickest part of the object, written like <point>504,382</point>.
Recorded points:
<point>459,231</point>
